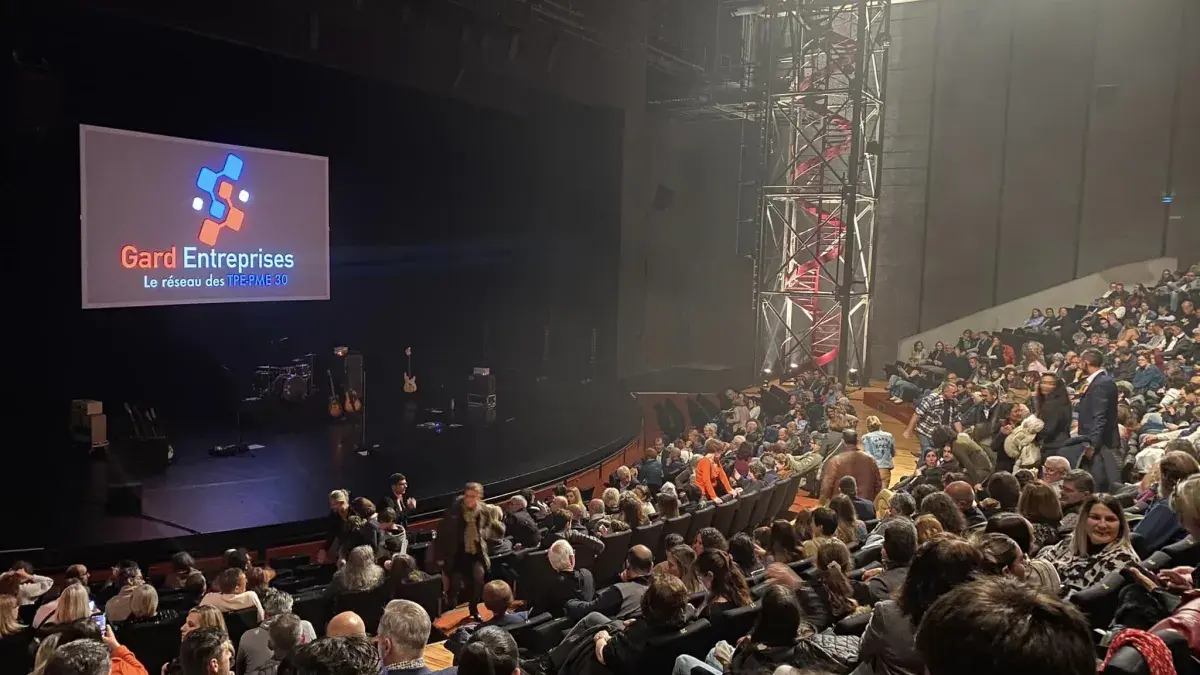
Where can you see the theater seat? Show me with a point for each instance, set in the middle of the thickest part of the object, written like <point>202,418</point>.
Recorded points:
<point>523,632</point>
<point>1099,601</point>
<point>732,625</point>
<point>239,622</point>
<point>695,639</point>
<point>612,560</point>
<point>154,644</point>
<point>546,636</point>
<point>427,594</point>
<point>366,604</point>
<point>1129,661</point>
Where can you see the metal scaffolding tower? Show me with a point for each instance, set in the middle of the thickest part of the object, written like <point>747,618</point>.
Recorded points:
<point>819,74</point>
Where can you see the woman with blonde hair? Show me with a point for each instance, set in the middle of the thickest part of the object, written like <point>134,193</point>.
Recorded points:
<point>9,623</point>
<point>881,446</point>
<point>883,503</point>
<point>205,616</point>
<point>73,605</point>
<point>574,496</point>
<point>611,498</point>
<point>337,528</point>
<point>143,607</point>
<point>1099,545</point>
<point>44,651</point>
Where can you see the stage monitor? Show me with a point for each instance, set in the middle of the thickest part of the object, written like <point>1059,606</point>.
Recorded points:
<point>172,221</point>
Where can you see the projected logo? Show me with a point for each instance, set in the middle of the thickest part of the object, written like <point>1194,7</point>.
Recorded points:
<point>222,211</point>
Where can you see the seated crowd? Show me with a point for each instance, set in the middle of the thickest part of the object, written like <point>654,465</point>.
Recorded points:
<point>990,558</point>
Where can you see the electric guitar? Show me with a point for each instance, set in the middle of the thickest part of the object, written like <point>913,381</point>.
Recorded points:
<point>410,380</point>
<point>335,406</point>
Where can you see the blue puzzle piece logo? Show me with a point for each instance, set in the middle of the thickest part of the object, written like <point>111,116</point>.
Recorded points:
<point>207,181</point>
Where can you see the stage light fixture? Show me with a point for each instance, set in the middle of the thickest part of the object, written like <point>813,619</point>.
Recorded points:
<point>792,365</point>
<point>766,371</point>
<point>244,196</point>
<point>197,204</point>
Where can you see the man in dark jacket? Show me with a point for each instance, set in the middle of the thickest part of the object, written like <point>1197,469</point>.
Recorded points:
<point>568,584</point>
<point>621,600</point>
<point>397,499</point>
<point>899,545</point>
<point>520,525</point>
<point>863,508</point>
<point>650,471</point>
<point>461,548</point>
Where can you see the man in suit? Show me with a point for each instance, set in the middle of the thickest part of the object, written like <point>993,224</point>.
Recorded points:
<point>1097,410</point>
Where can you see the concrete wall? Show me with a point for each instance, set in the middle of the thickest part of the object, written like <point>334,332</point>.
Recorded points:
<point>1015,312</point>
<point>1029,143</point>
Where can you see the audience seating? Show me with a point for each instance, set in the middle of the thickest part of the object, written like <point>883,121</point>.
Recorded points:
<point>15,652</point>
<point>649,536</point>
<point>695,639</point>
<point>700,520</point>
<point>1129,661</point>
<point>679,526</point>
<point>735,623</point>
<point>546,636</point>
<point>154,644</point>
<point>1099,601</point>
<point>289,562</point>
<point>243,620</point>
<point>366,604</point>
<point>523,632</point>
<point>312,606</point>
<point>741,520</point>
<point>725,513</point>
<point>612,560</point>
<point>785,504</point>
<point>427,594</point>
<point>533,572</point>
<point>758,516</point>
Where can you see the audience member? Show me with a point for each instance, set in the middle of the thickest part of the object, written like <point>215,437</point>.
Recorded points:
<point>346,624</point>
<point>403,631</point>
<point>231,594</point>
<point>621,600</point>
<point>1099,545</point>
<point>1001,627</point>
<point>566,585</point>
<point>341,655</point>
<point>206,651</point>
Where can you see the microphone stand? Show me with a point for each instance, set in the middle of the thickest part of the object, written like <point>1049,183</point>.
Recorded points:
<point>360,445</point>
<point>240,446</point>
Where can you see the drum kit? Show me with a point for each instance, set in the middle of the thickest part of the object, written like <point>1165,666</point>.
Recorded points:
<point>291,383</point>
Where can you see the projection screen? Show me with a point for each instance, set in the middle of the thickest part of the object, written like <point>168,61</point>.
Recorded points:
<point>173,221</point>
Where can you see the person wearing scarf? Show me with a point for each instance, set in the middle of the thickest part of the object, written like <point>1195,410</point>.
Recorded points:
<point>461,549</point>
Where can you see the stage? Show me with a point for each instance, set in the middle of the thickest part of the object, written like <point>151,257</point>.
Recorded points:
<point>540,432</point>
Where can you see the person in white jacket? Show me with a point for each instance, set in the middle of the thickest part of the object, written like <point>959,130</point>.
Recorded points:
<point>1021,445</point>
<point>23,583</point>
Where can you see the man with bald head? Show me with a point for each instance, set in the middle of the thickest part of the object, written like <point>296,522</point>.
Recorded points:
<point>1054,470</point>
<point>622,600</point>
<point>346,624</point>
<point>964,496</point>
